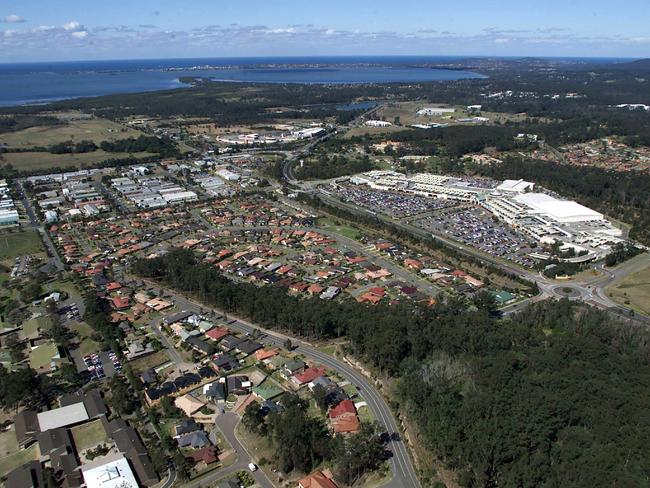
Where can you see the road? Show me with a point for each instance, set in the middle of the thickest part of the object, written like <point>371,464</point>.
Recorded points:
<point>226,423</point>
<point>404,474</point>
<point>591,290</point>
<point>52,251</point>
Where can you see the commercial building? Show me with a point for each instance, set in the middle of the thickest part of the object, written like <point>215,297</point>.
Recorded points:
<point>109,472</point>
<point>563,211</point>
<point>9,217</point>
<point>435,111</point>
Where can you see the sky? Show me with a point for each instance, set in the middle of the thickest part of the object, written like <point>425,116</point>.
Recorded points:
<point>64,30</point>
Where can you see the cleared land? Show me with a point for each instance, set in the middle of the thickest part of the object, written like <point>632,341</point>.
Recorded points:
<point>96,130</point>
<point>15,244</point>
<point>407,113</point>
<point>29,161</point>
<point>150,361</point>
<point>634,291</point>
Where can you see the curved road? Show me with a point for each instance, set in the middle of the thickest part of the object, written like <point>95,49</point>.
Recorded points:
<point>404,474</point>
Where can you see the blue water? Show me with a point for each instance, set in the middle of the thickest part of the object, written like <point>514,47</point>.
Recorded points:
<point>24,83</point>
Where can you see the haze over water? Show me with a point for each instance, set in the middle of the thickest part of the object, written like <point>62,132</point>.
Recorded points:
<point>44,82</point>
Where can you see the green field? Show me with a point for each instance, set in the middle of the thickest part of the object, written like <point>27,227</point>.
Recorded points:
<point>633,291</point>
<point>344,230</point>
<point>41,355</point>
<point>30,161</point>
<point>15,244</point>
<point>86,345</point>
<point>18,457</point>
<point>96,130</point>
<point>89,435</point>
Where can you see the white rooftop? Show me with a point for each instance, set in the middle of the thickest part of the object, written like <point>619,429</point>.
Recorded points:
<point>559,210</point>
<point>62,417</point>
<point>518,186</point>
<point>109,472</point>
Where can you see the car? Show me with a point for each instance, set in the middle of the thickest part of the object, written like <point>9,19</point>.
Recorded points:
<point>252,467</point>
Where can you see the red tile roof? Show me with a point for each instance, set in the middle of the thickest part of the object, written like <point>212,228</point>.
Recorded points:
<point>217,333</point>
<point>344,407</point>
<point>310,374</point>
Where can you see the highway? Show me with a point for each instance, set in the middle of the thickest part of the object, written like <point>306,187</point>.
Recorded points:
<point>404,474</point>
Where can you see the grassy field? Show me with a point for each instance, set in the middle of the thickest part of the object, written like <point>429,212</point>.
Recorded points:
<point>29,161</point>
<point>14,244</point>
<point>344,230</point>
<point>87,345</point>
<point>633,291</point>
<point>18,458</point>
<point>96,130</point>
<point>41,355</point>
<point>89,435</point>
<point>407,113</point>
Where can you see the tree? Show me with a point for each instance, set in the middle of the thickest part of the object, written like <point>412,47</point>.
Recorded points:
<point>358,454</point>
<point>31,291</point>
<point>253,419</point>
<point>121,398</point>
<point>320,397</point>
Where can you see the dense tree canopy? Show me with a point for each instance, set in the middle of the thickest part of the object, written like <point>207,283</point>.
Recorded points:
<point>554,396</point>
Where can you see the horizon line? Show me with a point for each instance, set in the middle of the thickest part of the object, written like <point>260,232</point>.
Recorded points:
<point>341,56</point>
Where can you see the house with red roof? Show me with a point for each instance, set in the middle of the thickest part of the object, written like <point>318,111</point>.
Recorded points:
<point>120,303</point>
<point>113,285</point>
<point>343,417</point>
<point>217,333</point>
<point>317,479</point>
<point>308,375</point>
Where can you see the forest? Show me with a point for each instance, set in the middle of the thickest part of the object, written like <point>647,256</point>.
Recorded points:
<point>556,395</point>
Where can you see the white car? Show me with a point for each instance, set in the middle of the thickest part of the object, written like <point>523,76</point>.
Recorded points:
<point>252,467</point>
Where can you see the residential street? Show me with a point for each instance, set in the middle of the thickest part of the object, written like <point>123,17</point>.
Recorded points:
<point>404,474</point>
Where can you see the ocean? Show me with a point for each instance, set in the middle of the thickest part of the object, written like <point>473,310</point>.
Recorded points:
<point>34,83</point>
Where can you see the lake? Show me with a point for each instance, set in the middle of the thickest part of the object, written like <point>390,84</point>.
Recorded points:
<point>25,83</point>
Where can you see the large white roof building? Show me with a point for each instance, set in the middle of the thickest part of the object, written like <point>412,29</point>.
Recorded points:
<point>563,211</point>
<point>109,472</point>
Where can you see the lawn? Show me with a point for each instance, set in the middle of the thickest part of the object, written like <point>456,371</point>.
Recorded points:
<point>30,161</point>
<point>12,461</point>
<point>344,230</point>
<point>89,435</point>
<point>634,291</point>
<point>365,415</point>
<point>42,355</point>
<point>88,346</point>
<point>32,326</point>
<point>15,244</point>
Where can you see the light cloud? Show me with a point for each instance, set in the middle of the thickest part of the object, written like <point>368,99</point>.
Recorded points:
<point>13,19</point>
<point>73,25</point>
<point>146,40</point>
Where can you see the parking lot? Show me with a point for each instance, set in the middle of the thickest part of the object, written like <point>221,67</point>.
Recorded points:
<point>393,204</point>
<point>477,227</point>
